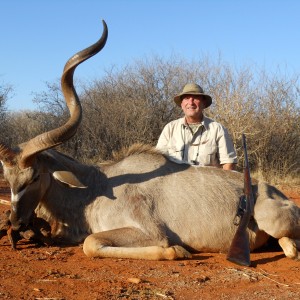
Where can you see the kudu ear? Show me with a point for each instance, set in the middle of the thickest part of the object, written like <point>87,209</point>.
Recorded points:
<point>68,178</point>
<point>7,156</point>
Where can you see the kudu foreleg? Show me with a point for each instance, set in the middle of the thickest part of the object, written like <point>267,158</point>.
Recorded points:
<point>131,243</point>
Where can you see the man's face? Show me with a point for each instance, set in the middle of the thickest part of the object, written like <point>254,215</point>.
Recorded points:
<point>193,105</point>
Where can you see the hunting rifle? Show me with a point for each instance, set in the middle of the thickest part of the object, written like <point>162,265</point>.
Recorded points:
<point>239,251</point>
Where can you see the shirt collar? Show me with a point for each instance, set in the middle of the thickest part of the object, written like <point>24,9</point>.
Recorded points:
<point>204,122</point>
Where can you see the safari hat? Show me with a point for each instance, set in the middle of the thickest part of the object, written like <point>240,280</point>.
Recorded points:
<point>193,89</point>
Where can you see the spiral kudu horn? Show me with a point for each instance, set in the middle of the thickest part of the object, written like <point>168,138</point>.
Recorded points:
<point>58,135</point>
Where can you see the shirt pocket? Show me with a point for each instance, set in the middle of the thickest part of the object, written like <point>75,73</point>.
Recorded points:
<point>208,155</point>
<point>176,151</point>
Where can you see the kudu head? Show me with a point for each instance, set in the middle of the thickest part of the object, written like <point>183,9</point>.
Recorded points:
<point>27,179</point>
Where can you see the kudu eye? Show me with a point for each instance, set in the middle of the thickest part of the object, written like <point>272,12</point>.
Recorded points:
<point>34,179</point>
<point>22,187</point>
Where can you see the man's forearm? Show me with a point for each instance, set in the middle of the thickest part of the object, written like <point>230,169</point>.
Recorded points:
<point>228,166</point>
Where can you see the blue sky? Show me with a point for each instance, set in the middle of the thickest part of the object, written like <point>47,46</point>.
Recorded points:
<point>38,36</point>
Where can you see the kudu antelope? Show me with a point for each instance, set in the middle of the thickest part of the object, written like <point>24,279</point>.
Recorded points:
<point>142,206</point>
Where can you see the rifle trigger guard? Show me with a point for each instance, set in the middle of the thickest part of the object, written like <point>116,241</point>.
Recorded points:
<point>241,210</point>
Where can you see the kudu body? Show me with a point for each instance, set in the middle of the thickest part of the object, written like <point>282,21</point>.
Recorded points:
<point>142,206</point>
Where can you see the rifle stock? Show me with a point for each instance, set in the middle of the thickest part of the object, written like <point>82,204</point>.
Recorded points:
<point>239,251</point>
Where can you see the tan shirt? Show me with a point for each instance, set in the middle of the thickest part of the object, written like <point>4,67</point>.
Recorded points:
<point>210,145</point>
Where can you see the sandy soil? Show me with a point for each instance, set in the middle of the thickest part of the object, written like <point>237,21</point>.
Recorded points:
<point>33,272</point>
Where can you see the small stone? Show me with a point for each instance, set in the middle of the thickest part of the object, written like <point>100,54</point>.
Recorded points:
<point>134,280</point>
